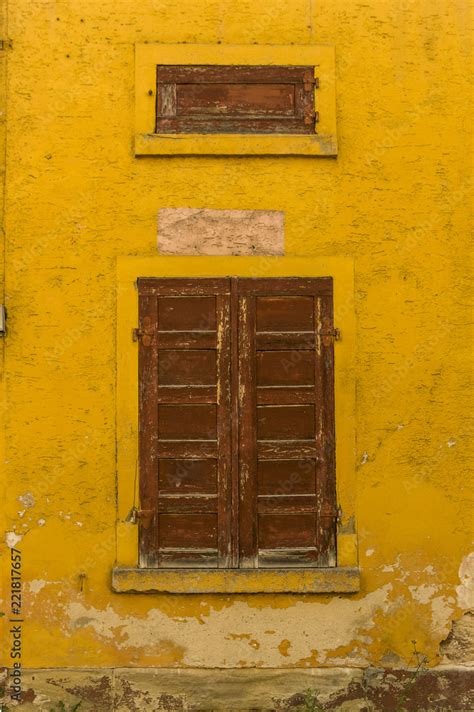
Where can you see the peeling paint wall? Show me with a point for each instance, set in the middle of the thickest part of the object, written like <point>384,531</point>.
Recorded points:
<point>395,199</point>
<point>191,231</point>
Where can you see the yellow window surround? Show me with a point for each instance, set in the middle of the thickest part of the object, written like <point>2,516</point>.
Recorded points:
<point>148,143</point>
<point>127,576</point>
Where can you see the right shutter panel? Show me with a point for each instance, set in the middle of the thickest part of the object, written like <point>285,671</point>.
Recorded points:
<point>287,504</point>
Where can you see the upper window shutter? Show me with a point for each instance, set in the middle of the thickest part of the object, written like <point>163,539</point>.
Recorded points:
<point>287,482</point>
<point>184,403</point>
<point>235,99</point>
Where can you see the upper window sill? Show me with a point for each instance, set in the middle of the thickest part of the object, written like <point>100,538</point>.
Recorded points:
<point>234,144</point>
<point>322,580</point>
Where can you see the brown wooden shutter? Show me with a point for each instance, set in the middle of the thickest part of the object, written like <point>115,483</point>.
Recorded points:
<point>287,485</point>
<point>237,464</point>
<point>184,400</point>
<point>235,99</point>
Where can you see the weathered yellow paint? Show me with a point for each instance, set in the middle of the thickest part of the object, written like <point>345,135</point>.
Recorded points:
<point>148,56</point>
<point>78,201</point>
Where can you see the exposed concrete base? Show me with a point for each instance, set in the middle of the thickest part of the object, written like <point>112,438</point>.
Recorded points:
<point>441,689</point>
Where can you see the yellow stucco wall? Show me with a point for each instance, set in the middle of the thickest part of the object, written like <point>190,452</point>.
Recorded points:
<point>394,201</point>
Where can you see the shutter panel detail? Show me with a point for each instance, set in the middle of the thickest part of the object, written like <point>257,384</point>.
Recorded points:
<point>240,99</point>
<point>236,401</point>
<point>184,364</point>
<point>287,505</point>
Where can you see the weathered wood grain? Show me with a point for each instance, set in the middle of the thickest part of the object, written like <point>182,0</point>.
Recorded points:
<point>235,99</point>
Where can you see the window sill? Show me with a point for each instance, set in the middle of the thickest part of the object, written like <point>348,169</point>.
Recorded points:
<point>234,144</point>
<point>323,580</point>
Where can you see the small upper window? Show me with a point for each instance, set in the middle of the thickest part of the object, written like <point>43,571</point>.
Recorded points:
<point>235,99</point>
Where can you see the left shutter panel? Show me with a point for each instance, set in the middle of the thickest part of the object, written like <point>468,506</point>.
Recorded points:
<point>185,444</point>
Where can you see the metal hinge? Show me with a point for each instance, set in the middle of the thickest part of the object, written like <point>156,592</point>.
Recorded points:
<point>3,320</point>
<point>135,515</point>
<point>146,517</point>
<point>330,335</point>
<point>310,117</point>
<point>137,333</point>
<point>328,511</point>
<point>143,334</point>
<point>5,44</point>
<point>310,81</point>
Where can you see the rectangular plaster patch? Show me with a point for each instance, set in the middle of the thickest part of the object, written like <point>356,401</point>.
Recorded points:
<point>201,231</point>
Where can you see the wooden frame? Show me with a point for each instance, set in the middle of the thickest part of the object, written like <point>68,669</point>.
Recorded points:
<point>344,576</point>
<point>321,140</point>
<point>267,308</point>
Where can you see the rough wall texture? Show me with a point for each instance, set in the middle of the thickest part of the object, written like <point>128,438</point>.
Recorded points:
<point>394,199</point>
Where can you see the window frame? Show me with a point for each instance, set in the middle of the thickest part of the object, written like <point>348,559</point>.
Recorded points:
<point>323,142</point>
<point>127,576</point>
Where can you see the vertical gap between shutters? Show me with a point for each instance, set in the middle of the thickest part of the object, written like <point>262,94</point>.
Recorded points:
<point>234,315</point>
<point>247,433</point>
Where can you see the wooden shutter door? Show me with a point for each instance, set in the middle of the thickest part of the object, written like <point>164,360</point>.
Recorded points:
<point>286,438</point>
<point>184,404</point>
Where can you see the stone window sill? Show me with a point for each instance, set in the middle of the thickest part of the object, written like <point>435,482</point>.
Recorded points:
<point>322,580</point>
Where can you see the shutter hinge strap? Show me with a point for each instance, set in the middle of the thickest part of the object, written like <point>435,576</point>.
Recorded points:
<point>140,333</point>
<point>310,81</point>
<point>146,517</point>
<point>135,515</point>
<point>328,511</point>
<point>334,334</point>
